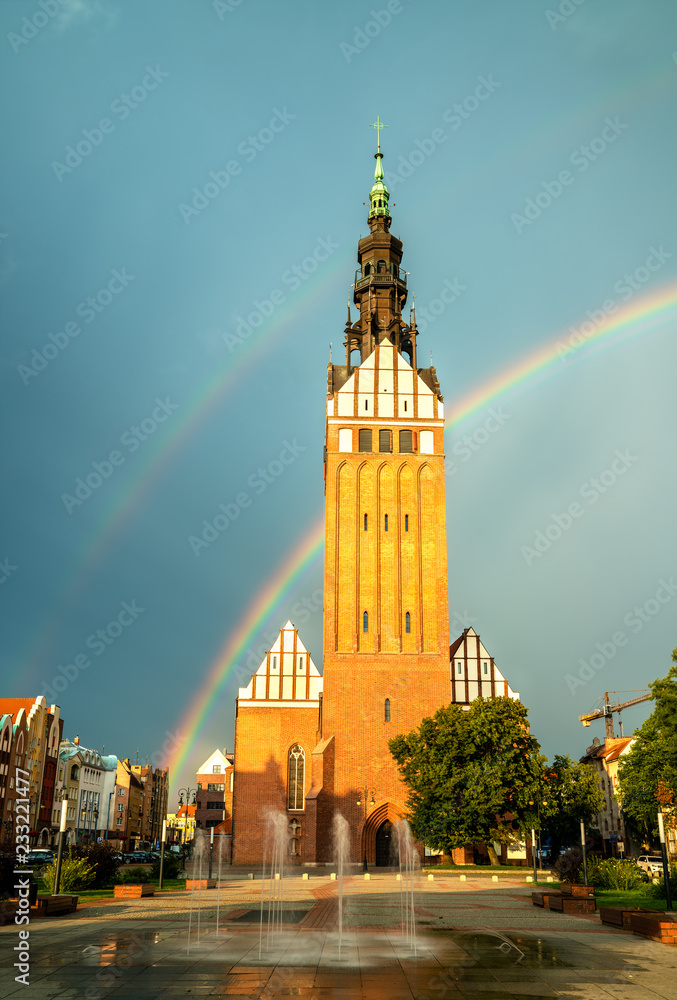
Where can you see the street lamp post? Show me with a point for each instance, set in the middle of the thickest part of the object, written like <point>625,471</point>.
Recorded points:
<point>188,792</point>
<point>162,850</point>
<point>360,797</point>
<point>538,805</point>
<point>59,851</point>
<point>666,867</point>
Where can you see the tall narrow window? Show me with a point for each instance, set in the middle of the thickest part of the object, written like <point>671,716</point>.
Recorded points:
<point>275,663</point>
<point>365,439</point>
<point>365,522</point>
<point>387,710</point>
<point>405,406</point>
<point>406,522</point>
<point>406,442</point>
<point>459,668</point>
<point>296,777</point>
<point>365,621</point>
<point>300,663</point>
<point>385,441</point>
<point>386,522</point>
<point>485,668</point>
<point>407,622</point>
<point>366,404</point>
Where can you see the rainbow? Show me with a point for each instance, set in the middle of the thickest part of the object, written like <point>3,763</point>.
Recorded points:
<point>640,316</point>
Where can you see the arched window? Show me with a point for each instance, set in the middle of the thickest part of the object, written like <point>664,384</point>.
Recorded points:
<point>406,442</point>
<point>365,621</point>
<point>382,267</point>
<point>365,438</point>
<point>407,622</point>
<point>296,776</point>
<point>75,771</point>
<point>387,710</point>
<point>368,269</point>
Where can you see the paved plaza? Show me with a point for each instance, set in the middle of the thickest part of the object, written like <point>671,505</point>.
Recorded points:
<point>472,939</point>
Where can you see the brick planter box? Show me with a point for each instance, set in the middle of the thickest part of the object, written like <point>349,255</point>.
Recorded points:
<point>661,927</point>
<point>133,891</point>
<point>572,904</point>
<point>55,906</point>
<point>577,891</point>
<point>200,883</point>
<point>619,916</point>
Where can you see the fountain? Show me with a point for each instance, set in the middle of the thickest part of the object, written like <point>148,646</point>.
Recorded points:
<point>410,866</point>
<point>199,851</point>
<point>277,842</point>
<point>341,839</point>
<point>220,849</point>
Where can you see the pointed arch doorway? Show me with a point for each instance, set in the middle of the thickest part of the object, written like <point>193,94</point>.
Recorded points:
<point>378,833</point>
<point>384,845</point>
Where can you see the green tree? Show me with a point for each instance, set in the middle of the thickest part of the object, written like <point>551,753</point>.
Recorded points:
<point>572,793</point>
<point>471,774</point>
<point>648,774</point>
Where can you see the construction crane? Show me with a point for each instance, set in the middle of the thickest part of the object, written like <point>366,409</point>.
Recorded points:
<point>606,712</point>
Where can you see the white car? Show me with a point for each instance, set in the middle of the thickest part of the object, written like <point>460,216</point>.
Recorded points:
<point>651,863</point>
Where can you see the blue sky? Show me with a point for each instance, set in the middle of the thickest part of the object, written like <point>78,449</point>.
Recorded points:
<point>492,108</point>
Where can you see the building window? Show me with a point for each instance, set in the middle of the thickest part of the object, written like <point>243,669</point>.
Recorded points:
<point>121,791</point>
<point>300,663</point>
<point>407,622</point>
<point>296,776</point>
<point>121,807</point>
<point>485,668</point>
<point>119,821</point>
<point>365,522</point>
<point>215,805</point>
<point>216,769</point>
<point>405,409</point>
<point>275,663</point>
<point>385,523</point>
<point>366,404</point>
<point>406,522</point>
<point>387,710</point>
<point>406,442</point>
<point>365,439</point>
<point>215,788</point>
<point>385,441</point>
<point>458,668</point>
<point>365,621</point>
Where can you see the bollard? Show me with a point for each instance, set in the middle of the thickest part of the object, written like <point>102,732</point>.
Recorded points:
<point>550,879</point>
<point>530,878</point>
<point>305,875</point>
<point>367,876</point>
<point>277,876</point>
<point>431,878</point>
<point>251,875</point>
<point>333,876</point>
<point>398,877</point>
<point>462,878</point>
<point>494,878</point>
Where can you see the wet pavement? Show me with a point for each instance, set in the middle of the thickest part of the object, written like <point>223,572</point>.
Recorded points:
<point>472,940</point>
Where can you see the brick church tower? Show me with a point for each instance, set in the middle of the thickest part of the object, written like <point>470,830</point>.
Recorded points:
<point>386,632</point>
<point>312,745</point>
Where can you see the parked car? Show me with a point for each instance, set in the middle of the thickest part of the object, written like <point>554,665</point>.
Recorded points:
<point>40,856</point>
<point>652,864</point>
<point>137,858</point>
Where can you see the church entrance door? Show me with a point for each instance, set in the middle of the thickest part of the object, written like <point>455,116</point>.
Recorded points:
<point>384,839</point>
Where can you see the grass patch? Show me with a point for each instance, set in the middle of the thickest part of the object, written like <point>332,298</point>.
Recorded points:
<point>168,885</point>
<point>630,897</point>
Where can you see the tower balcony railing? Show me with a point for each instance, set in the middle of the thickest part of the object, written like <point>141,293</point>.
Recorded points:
<point>396,276</point>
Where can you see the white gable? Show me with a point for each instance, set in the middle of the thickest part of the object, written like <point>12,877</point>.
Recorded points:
<point>286,674</point>
<point>217,759</point>
<point>474,672</point>
<point>386,387</point>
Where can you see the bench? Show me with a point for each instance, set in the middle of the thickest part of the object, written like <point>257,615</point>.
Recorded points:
<point>619,916</point>
<point>200,883</point>
<point>134,891</point>
<point>55,906</point>
<point>661,927</point>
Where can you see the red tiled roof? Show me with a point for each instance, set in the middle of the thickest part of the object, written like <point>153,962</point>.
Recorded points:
<point>12,706</point>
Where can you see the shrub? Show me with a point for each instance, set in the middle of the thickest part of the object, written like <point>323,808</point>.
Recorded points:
<point>172,867</point>
<point>614,873</point>
<point>657,889</point>
<point>133,876</point>
<point>569,866</point>
<point>76,874</point>
<point>101,857</point>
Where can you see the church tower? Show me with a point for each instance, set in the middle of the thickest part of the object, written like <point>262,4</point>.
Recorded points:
<point>386,632</point>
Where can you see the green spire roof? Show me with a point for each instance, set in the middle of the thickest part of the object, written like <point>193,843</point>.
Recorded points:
<point>379,195</point>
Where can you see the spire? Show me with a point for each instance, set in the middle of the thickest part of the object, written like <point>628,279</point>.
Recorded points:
<point>379,195</point>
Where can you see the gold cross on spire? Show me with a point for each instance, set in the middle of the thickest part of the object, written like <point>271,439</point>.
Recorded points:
<point>378,125</point>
